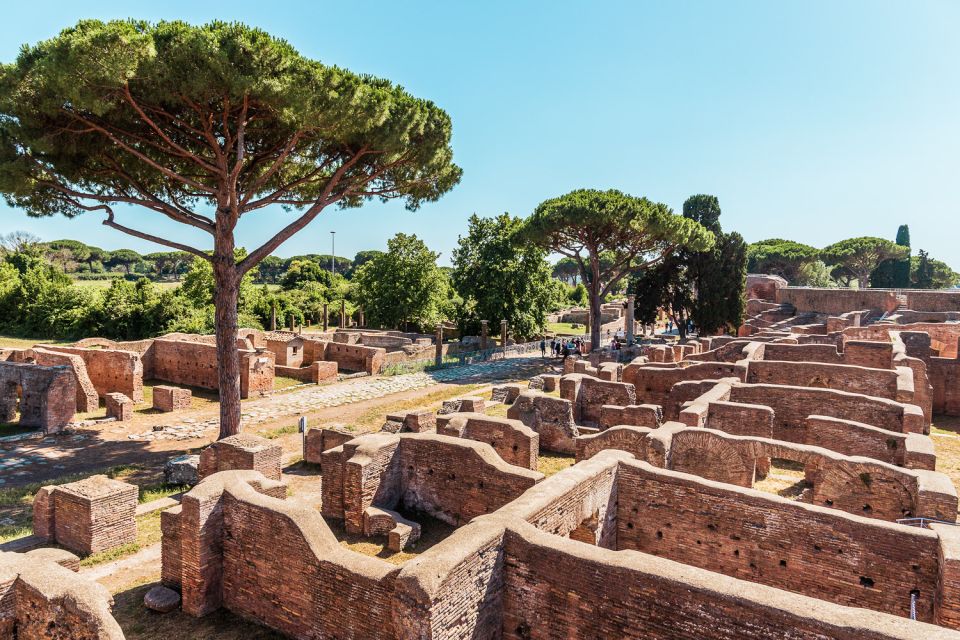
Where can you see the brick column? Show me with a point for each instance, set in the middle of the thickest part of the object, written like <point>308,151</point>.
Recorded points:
<point>484,334</point>
<point>326,317</point>
<point>201,560</point>
<point>503,335</point>
<point>343,314</point>
<point>438,345</point>
<point>630,322</point>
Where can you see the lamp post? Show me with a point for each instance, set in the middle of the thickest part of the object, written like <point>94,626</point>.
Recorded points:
<point>333,252</point>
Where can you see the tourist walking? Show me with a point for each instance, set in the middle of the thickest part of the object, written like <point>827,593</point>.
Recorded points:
<point>543,348</point>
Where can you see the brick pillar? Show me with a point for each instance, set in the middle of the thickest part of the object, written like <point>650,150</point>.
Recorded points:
<point>503,335</point>
<point>343,314</point>
<point>326,317</point>
<point>273,317</point>
<point>363,321</point>
<point>947,601</point>
<point>293,322</point>
<point>484,334</point>
<point>631,302</point>
<point>201,560</point>
<point>438,346</point>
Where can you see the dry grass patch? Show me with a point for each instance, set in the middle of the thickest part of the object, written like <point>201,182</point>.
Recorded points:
<point>373,417</point>
<point>549,463</point>
<point>432,531</point>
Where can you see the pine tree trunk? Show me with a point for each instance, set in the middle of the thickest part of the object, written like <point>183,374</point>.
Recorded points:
<point>594,301</point>
<point>226,297</point>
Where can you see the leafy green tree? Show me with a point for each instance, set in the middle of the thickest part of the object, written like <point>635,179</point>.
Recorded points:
<point>162,261</point>
<point>67,253</point>
<point>501,277</point>
<point>856,258</point>
<point>177,120</point>
<point>637,233</point>
<point>302,271</point>
<point>568,270</point>
<point>130,310</point>
<point>815,274</point>
<point>579,296</point>
<point>47,304</point>
<point>403,286</point>
<point>705,287</point>
<point>894,273</point>
<point>784,258</point>
<point>928,273</point>
<point>270,269</point>
<point>125,259</point>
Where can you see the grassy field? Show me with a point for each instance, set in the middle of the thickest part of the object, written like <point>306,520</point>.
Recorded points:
<point>13,342</point>
<point>566,328</point>
<point>103,284</point>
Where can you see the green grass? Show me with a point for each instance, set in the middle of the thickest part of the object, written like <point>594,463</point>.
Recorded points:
<point>566,328</point>
<point>16,342</point>
<point>105,283</point>
<point>279,432</point>
<point>283,382</point>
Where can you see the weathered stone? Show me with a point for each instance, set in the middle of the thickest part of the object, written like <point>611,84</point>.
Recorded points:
<point>182,470</point>
<point>161,599</point>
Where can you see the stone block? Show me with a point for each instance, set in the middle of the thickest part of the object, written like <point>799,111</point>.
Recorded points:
<point>167,398</point>
<point>119,407</point>
<point>508,393</point>
<point>182,470</point>
<point>242,451</point>
<point>88,516</point>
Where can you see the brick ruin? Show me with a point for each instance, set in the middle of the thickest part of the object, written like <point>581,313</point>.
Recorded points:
<point>37,396</point>
<point>88,516</point>
<point>665,526</point>
<point>41,598</point>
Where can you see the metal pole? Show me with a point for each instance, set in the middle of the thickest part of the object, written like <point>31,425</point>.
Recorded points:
<point>333,252</point>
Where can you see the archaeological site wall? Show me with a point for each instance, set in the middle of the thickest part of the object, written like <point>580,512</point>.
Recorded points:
<point>44,397</point>
<point>110,370</point>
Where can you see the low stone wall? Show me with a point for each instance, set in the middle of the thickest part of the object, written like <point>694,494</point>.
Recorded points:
<point>194,364</point>
<point>451,479</point>
<point>881,383</point>
<point>933,300</point>
<point>550,417</point>
<point>318,372</point>
<point>242,452</point>
<point>653,384</point>
<point>792,405</point>
<point>762,538</point>
<point>42,600</point>
<point>587,395</point>
<point>643,415</point>
<point>852,438</point>
<point>110,370</point>
<point>513,441</point>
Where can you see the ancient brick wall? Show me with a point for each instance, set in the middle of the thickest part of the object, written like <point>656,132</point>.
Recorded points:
<point>653,384</point>
<point>643,415</point>
<point>631,439</point>
<point>588,394</point>
<point>351,357</point>
<point>552,419</point>
<point>455,480</point>
<point>557,588</point>
<point>763,538</point>
<point>46,397</point>
<point>87,397</point>
<point>513,441</point>
<point>761,286</point>
<point>838,301</point>
<point>855,379</point>
<point>318,372</point>
<point>945,378</point>
<point>933,300</point>
<point>740,419</point>
<point>41,600</point>
<point>317,441</point>
<point>868,353</point>
<point>853,438</point>
<point>802,353</point>
<point>451,479</point>
<point>336,594</point>
<point>792,405</point>
<point>110,370</point>
<point>194,364</point>
<point>242,452</point>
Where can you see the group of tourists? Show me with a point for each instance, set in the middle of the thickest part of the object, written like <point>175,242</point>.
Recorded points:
<point>562,347</point>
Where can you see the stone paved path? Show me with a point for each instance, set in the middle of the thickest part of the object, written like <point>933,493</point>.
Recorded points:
<point>310,398</point>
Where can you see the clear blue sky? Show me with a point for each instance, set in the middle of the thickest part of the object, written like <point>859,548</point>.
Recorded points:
<point>813,120</point>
